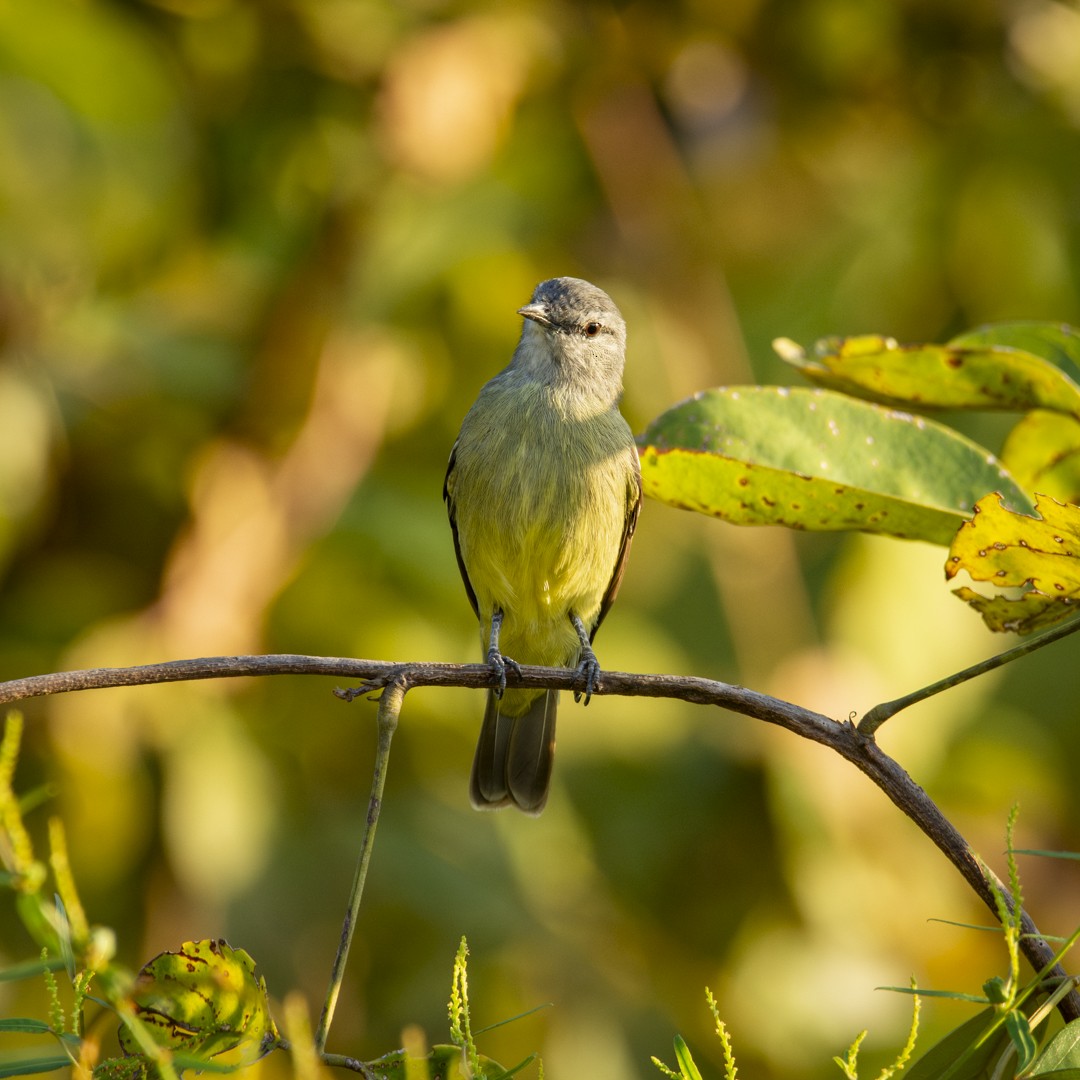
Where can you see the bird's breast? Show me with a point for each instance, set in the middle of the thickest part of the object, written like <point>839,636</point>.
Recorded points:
<point>540,501</point>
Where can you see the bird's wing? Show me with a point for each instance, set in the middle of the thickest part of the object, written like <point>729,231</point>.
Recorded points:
<point>448,498</point>
<point>633,508</point>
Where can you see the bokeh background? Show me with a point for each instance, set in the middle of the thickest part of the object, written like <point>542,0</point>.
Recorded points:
<point>257,258</point>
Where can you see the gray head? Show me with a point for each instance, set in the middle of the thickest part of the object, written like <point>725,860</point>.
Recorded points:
<point>573,335</point>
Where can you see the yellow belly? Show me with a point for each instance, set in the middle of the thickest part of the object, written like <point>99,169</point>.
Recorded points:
<point>540,507</point>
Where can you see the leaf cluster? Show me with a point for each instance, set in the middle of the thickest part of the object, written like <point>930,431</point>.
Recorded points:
<point>852,454</point>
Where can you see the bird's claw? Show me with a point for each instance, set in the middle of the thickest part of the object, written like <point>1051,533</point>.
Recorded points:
<point>588,669</point>
<point>498,664</point>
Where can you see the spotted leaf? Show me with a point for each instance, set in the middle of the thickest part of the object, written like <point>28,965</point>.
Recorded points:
<point>205,1001</point>
<point>1013,366</point>
<point>1038,555</point>
<point>817,460</point>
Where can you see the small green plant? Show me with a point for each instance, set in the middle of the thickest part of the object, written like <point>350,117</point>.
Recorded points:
<point>1000,1043</point>
<point>459,1059</point>
<point>202,1007</point>
<point>848,1064</point>
<point>56,923</point>
<point>688,1070</point>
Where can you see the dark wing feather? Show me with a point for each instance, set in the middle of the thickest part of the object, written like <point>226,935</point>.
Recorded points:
<point>633,508</point>
<point>450,509</point>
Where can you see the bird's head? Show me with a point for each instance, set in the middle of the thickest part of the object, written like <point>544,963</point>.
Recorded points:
<point>573,334</point>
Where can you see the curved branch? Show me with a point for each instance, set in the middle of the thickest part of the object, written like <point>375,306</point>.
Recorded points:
<point>844,738</point>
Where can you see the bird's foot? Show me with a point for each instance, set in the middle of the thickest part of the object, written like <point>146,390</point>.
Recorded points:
<point>498,664</point>
<point>588,669</point>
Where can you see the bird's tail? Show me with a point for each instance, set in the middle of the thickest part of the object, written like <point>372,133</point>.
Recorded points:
<point>514,756</point>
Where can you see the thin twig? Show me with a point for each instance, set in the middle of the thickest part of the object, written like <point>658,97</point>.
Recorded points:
<point>389,710</point>
<point>877,716</point>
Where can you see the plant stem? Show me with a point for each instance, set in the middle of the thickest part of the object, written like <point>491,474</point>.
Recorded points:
<point>877,716</point>
<point>389,709</point>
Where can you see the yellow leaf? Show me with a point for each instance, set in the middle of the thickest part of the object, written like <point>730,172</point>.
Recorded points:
<point>1015,551</point>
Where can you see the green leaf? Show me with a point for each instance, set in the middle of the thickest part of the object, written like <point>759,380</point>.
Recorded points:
<point>954,995</point>
<point>204,1000</point>
<point>812,459</point>
<point>1061,1052</point>
<point>970,372</point>
<point>956,1057</point>
<point>30,969</point>
<point>1058,343</point>
<point>28,1064</point>
<point>1011,550</point>
<point>685,1059</point>
<point>1042,452</point>
<point>25,1024</point>
<point>1016,1024</point>
<point>1049,854</point>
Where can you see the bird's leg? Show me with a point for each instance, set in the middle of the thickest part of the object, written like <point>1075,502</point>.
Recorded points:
<point>495,659</point>
<point>588,666</point>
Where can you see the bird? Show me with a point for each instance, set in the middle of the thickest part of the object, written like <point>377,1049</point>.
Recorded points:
<point>543,492</point>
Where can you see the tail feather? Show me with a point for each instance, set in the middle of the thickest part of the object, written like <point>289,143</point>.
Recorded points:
<point>514,756</point>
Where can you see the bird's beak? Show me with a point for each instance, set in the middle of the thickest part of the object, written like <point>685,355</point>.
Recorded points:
<point>537,312</point>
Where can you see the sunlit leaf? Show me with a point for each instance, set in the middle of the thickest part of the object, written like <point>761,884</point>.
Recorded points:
<point>812,459</point>
<point>205,1000</point>
<point>685,1059</point>
<point>1058,343</point>
<point>1062,1052</point>
<point>979,375</point>
<point>1016,551</point>
<point>1042,452</point>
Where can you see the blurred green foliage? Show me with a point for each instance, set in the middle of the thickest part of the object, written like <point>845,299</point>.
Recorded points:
<point>256,259</point>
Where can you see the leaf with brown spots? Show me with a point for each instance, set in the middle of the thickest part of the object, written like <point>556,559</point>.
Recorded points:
<point>817,460</point>
<point>1011,366</point>
<point>1040,555</point>
<point>203,1001</point>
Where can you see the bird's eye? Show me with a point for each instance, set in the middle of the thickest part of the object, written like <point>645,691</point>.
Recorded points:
<point>592,329</point>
